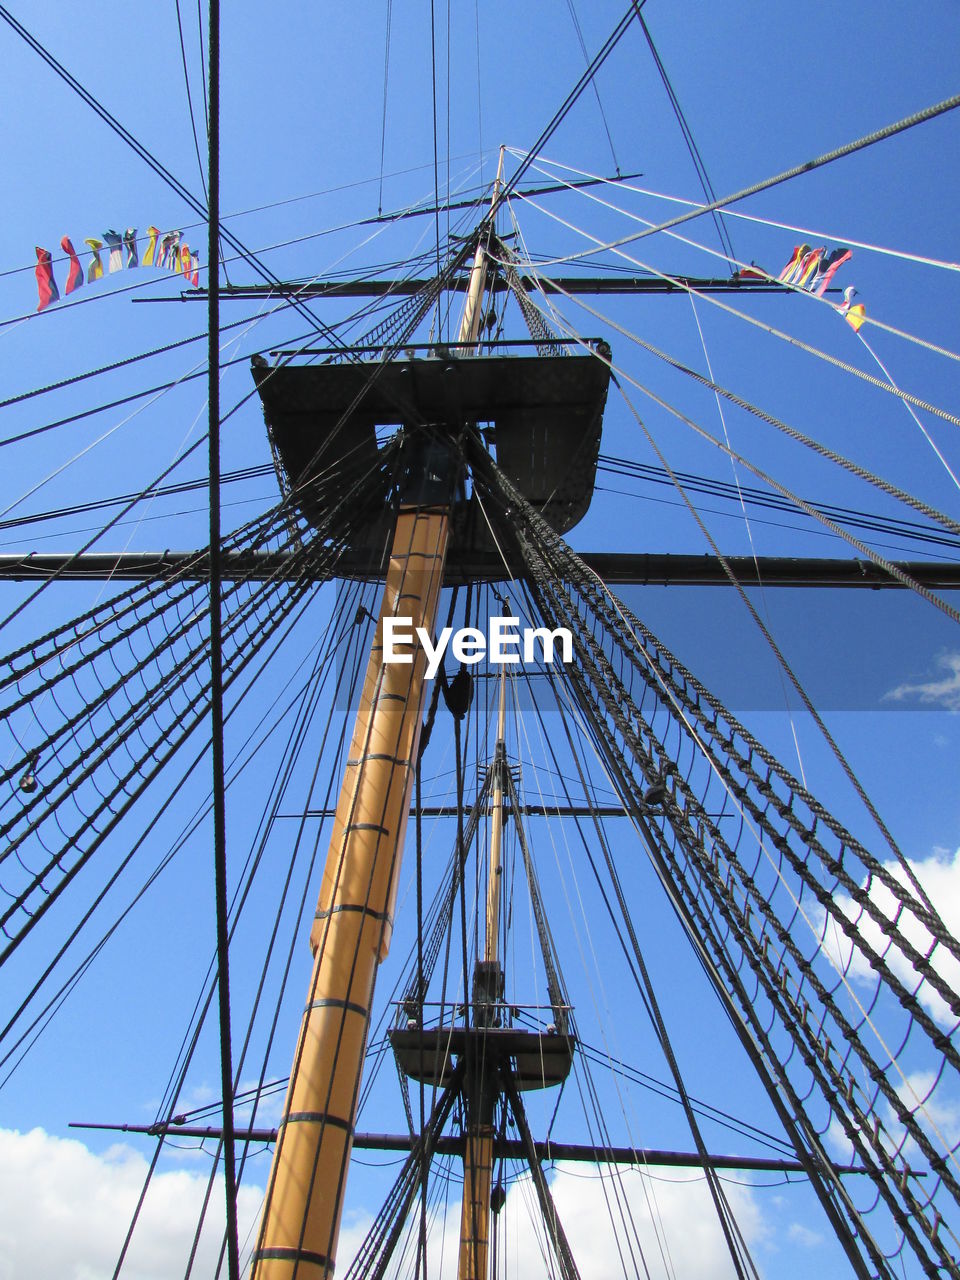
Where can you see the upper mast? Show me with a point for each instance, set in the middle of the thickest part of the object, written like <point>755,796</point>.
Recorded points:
<point>354,920</point>
<point>482,1088</point>
<point>473,307</point>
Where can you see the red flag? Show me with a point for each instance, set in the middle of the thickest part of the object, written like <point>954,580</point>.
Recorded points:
<point>828,269</point>
<point>805,271</point>
<point>46,285</point>
<point>75,275</point>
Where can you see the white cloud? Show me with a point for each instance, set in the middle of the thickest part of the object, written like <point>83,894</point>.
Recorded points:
<point>942,692</point>
<point>672,1220</point>
<point>679,1212</point>
<point>64,1211</point>
<point>936,1112</point>
<point>935,1109</point>
<point>940,877</point>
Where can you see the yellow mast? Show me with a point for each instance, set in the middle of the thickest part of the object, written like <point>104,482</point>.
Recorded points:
<point>354,920</point>
<point>353,925</point>
<point>478,1138</point>
<point>496,833</point>
<point>473,307</point>
<point>481,1092</point>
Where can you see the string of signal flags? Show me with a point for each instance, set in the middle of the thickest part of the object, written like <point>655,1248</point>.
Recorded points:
<point>167,251</point>
<point>808,269</point>
<point>814,269</point>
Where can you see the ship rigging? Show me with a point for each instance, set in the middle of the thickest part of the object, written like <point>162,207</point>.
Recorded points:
<point>463,986</point>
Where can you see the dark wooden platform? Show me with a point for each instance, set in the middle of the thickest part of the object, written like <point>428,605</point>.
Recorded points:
<point>537,1060</point>
<point>542,415</point>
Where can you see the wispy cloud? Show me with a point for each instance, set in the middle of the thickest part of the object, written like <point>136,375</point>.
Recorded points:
<point>797,1233</point>
<point>939,692</point>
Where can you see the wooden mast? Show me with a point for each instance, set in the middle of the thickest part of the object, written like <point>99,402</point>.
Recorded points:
<point>353,925</point>
<point>491,946</point>
<point>354,920</point>
<point>482,1088</point>
<point>479,1098</point>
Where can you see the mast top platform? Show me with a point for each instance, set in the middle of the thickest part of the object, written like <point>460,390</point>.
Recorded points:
<point>541,413</point>
<point>535,1059</point>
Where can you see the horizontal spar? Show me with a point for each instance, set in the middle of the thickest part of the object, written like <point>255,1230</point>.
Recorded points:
<point>526,811</point>
<point>595,286</point>
<point>511,1150</point>
<point>615,568</point>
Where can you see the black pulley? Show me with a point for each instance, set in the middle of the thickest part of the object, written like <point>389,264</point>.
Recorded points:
<point>28,782</point>
<point>654,796</point>
<point>458,693</point>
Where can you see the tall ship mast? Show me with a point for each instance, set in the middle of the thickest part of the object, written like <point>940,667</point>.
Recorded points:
<point>525,926</point>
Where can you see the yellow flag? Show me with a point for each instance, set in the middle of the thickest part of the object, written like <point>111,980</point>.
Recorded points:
<point>855,317</point>
<point>151,248</point>
<point>95,269</point>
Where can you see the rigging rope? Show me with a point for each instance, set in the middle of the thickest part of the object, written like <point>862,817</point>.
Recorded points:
<point>712,885</point>
<point>692,148</point>
<point>572,97</point>
<point>749,495</point>
<point>742,315</point>
<point>571,8</point>
<point>695,244</point>
<point>383,124</point>
<point>838,153</point>
<point>824,451</point>
<point>787,669</point>
<point>920,427</point>
<point>902,254</point>
<point>214,551</point>
<point>190,111</point>
<point>48,803</point>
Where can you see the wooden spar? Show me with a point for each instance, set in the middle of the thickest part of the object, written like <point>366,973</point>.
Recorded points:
<point>496,834</point>
<point>481,1091</point>
<point>479,1098</point>
<point>354,921</point>
<point>617,568</point>
<point>353,925</point>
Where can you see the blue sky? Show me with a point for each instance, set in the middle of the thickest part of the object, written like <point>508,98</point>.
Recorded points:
<point>763,88</point>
